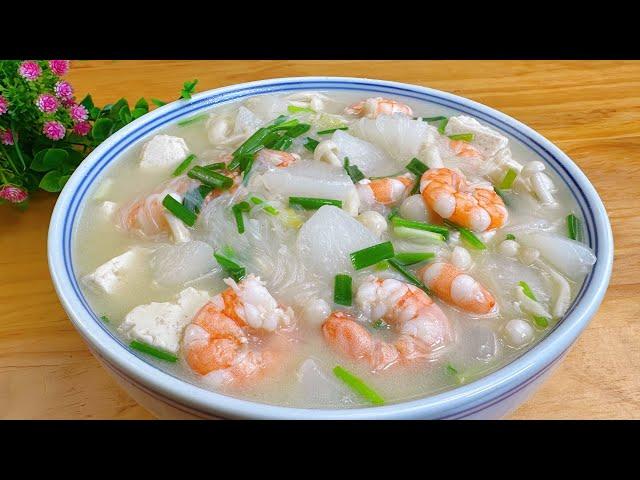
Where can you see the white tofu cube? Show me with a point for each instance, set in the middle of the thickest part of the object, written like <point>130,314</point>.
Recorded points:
<point>163,152</point>
<point>485,139</point>
<point>162,324</point>
<point>109,276</point>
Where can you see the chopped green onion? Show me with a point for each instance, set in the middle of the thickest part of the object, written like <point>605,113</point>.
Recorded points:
<point>509,178</point>
<point>353,171</point>
<point>153,351</point>
<point>542,322</point>
<point>267,208</point>
<point>419,236</point>
<point>184,165</point>
<point>311,144</point>
<point>104,318</point>
<point>380,266</point>
<point>450,369</point>
<point>398,221</point>
<point>194,198</point>
<point>526,289</point>
<point>357,385</point>
<point>233,268</point>
<point>510,236</point>
<point>380,325</point>
<point>296,109</point>
<point>309,203</point>
<point>439,118</point>
<point>282,126</point>
<point>179,210</point>
<point>416,187</point>
<point>443,125</point>
<point>283,143</point>
<point>393,213</point>
<point>216,166</point>
<point>191,120</point>
<point>237,209</point>
<point>413,280</point>
<point>502,195</point>
<point>342,290</point>
<point>468,236</point>
<point>411,258</point>
<point>298,130</point>
<point>371,255</point>
<point>416,167</point>
<point>574,227</point>
<point>465,137</point>
<point>210,178</point>
<point>331,130</point>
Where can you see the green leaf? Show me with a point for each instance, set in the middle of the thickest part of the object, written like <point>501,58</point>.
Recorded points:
<point>188,89</point>
<point>101,129</point>
<point>142,104</point>
<point>49,159</point>
<point>158,103</point>
<point>87,102</point>
<point>38,162</point>
<point>117,125</point>
<point>115,110</point>
<point>94,113</point>
<point>51,181</point>
<point>125,114</point>
<point>63,181</point>
<point>138,112</point>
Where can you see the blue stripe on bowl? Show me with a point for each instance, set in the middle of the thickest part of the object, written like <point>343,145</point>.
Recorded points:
<point>208,101</point>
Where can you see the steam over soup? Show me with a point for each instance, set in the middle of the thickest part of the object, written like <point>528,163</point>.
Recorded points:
<point>324,249</point>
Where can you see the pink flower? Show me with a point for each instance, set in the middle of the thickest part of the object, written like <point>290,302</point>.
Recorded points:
<point>82,128</point>
<point>13,194</point>
<point>47,103</point>
<point>4,105</point>
<point>63,90</point>
<point>30,70</point>
<point>53,130</point>
<point>6,137</point>
<point>68,102</point>
<point>59,67</point>
<point>78,113</point>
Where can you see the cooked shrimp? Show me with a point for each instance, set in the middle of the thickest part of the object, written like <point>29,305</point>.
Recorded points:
<point>464,149</point>
<point>457,288</point>
<point>375,106</point>
<point>422,326</point>
<point>277,158</point>
<point>234,337</point>
<point>385,191</point>
<point>449,194</point>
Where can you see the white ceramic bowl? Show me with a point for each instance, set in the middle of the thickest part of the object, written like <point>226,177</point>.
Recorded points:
<point>165,395</point>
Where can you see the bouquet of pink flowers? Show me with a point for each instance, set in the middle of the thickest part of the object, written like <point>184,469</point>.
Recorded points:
<point>45,132</point>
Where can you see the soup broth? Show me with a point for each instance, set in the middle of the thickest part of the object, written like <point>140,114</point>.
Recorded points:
<point>499,274</point>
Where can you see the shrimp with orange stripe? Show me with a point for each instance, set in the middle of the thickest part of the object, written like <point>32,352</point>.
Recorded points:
<point>376,106</point>
<point>239,336</point>
<point>448,194</point>
<point>422,326</point>
<point>385,191</point>
<point>276,158</point>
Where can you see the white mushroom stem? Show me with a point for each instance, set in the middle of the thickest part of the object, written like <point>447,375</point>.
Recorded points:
<point>563,297</point>
<point>461,258</point>
<point>219,131</point>
<point>351,203</point>
<point>509,248</point>
<point>313,100</point>
<point>530,306</point>
<point>374,221</point>
<point>539,182</point>
<point>327,151</point>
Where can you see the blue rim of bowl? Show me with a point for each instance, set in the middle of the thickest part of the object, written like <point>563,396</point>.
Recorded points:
<point>457,402</point>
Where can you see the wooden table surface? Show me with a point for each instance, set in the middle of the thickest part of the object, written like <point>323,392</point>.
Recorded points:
<point>591,110</point>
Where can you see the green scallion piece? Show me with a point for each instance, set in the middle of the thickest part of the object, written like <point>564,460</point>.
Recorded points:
<point>468,236</point>
<point>194,198</point>
<point>153,351</point>
<point>574,227</point>
<point>311,144</point>
<point>380,325</point>
<point>398,221</point>
<point>510,236</point>
<point>179,210</point>
<point>342,290</point>
<point>439,118</point>
<point>216,166</point>
<point>450,369</point>
<point>372,255</point>
<point>416,167</point>
<point>502,195</point>
<point>309,203</point>
<point>283,143</point>
<point>411,258</point>
<point>465,137</point>
<point>104,318</point>
<point>416,187</point>
<point>413,280</point>
<point>443,125</point>
<point>230,265</point>
<point>357,385</point>
<point>184,165</point>
<point>267,208</point>
<point>189,121</point>
<point>418,236</point>
<point>509,178</point>
<point>526,289</point>
<point>393,213</point>
<point>353,171</point>
<point>542,322</point>
<point>380,266</point>
<point>331,130</point>
<point>237,209</point>
<point>296,109</point>
<point>284,126</point>
<point>210,178</point>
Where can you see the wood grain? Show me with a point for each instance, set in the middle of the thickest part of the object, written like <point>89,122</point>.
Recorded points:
<point>589,109</point>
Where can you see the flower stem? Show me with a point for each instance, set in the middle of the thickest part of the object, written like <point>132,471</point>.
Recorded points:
<point>15,144</point>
